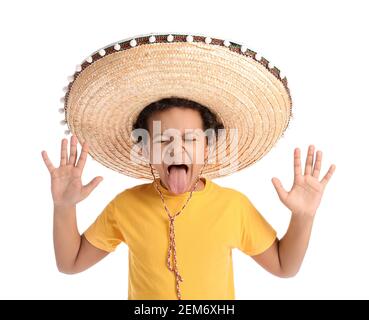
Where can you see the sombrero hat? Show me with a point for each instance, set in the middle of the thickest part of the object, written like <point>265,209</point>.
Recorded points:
<point>110,88</point>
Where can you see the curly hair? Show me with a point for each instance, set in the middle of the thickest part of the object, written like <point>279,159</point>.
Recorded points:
<point>209,119</point>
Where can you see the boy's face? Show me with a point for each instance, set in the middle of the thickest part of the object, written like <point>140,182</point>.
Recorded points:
<point>178,147</point>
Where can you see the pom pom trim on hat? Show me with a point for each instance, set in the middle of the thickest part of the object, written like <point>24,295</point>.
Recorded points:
<point>128,43</point>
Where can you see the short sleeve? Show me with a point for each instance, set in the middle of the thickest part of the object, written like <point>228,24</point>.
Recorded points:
<point>256,234</point>
<point>104,233</point>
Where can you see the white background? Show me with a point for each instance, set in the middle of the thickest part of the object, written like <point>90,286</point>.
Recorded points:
<point>321,47</point>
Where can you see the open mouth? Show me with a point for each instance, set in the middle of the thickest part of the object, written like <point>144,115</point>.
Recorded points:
<point>184,166</point>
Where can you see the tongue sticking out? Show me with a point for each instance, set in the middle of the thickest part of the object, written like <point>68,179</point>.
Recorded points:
<point>177,179</point>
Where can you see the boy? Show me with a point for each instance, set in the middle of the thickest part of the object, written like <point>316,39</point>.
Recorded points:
<point>210,220</point>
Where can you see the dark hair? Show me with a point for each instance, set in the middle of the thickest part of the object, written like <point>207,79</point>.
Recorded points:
<point>209,119</point>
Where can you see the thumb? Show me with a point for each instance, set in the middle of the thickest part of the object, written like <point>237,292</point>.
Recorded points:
<point>87,189</point>
<point>282,193</point>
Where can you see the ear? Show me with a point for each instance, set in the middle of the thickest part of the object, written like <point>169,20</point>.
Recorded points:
<point>210,146</point>
<point>206,148</point>
<point>145,151</point>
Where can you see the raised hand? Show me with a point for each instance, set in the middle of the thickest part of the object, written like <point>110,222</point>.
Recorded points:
<point>307,191</point>
<point>66,183</point>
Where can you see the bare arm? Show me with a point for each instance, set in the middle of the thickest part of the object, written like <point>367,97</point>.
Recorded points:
<point>73,253</point>
<point>285,256</point>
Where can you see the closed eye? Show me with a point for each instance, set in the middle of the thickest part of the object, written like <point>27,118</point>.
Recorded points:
<point>166,140</point>
<point>161,140</point>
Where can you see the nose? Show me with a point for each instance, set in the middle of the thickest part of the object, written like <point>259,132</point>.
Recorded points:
<point>177,151</point>
<point>177,148</point>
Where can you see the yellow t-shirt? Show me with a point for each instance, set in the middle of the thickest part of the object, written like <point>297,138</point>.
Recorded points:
<point>216,220</point>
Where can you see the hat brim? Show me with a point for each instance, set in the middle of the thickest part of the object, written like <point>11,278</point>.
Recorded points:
<point>107,94</point>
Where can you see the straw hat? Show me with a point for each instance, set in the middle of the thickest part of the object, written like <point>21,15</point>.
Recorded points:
<point>110,88</point>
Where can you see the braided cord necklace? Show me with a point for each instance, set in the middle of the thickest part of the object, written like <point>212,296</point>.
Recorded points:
<point>172,243</point>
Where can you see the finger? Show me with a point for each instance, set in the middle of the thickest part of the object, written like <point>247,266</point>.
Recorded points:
<point>83,156</point>
<point>297,162</point>
<point>63,152</point>
<point>317,164</point>
<point>73,150</point>
<point>87,189</point>
<point>328,175</point>
<point>309,160</point>
<point>47,161</point>
<point>282,193</point>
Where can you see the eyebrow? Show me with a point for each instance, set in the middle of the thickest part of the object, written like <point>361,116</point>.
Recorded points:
<point>161,136</point>
<point>188,132</point>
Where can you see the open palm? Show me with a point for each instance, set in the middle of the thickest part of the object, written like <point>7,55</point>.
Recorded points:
<point>307,191</point>
<point>66,184</point>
